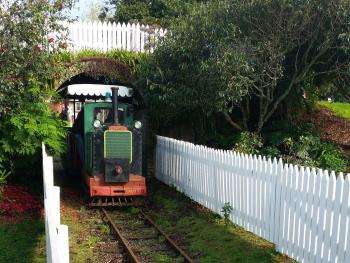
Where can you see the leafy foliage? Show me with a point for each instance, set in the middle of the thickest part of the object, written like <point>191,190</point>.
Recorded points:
<point>297,144</point>
<point>301,150</point>
<point>23,133</point>
<point>159,12</point>
<point>244,59</point>
<point>26,37</point>
<point>30,32</point>
<point>226,210</point>
<point>249,143</point>
<point>310,151</point>
<point>184,77</point>
<point>332,157</point>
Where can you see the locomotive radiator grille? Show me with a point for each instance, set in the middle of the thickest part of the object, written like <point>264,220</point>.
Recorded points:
<point>118,144</point>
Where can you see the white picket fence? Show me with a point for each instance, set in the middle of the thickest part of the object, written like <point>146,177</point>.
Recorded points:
<point>303,211</point>
<point>106,36</point>
<point>57,244</point>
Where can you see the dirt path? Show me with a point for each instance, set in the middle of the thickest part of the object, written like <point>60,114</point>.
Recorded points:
<point>331,127</point>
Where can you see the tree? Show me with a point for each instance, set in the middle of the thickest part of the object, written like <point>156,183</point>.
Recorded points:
<point>243,59</point>
<point>286,43</point>
<point>30,33</point>
<point>93,12</point>
<point>159,12</point>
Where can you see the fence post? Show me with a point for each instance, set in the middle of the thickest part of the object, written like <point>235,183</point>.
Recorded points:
<point>56,235</point>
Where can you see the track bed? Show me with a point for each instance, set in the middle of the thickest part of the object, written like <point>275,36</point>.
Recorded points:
<point>142,238</point>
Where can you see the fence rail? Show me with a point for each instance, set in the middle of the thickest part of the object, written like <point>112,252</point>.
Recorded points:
<point>57,246</point>
<point>305,212</point>
<point>106,36</point>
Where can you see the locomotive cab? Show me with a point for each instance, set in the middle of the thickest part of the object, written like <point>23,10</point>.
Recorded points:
<point>108,141</point>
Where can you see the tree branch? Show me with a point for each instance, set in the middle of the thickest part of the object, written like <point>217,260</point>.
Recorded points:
<point>231,122</point>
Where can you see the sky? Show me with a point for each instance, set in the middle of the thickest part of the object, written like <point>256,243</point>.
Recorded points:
<point>82,8</point>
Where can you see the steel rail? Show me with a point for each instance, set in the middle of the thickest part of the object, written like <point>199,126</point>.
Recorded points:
<point>149,221</point>
<point>124,241</point>
<point>170,241</point>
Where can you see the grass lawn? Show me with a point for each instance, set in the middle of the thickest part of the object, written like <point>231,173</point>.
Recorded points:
<point>340,109</point>
<point>22,241</point>
<point>81,241</point>
<point>205,235</point>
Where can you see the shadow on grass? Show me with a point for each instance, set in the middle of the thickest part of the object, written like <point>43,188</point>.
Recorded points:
<point>203,233</point>
<point>23,241</point>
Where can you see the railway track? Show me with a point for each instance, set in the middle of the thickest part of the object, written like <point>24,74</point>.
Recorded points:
<point>143,240</point>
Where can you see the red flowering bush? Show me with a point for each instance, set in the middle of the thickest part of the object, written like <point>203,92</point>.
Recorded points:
<point>29,31</point>
<point>18,203</point>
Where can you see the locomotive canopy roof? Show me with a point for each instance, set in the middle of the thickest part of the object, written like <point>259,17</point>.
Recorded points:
<point>83,92</point>
<point>95,90</point>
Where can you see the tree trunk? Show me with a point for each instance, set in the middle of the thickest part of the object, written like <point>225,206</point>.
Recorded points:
<point>231,122</point>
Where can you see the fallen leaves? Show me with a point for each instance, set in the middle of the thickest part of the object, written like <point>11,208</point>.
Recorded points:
<point>18,203</point>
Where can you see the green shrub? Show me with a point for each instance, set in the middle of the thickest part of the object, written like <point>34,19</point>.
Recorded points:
<point>226,210</point>
<point>27,75</point>
<point>331,157</point>
<point>248,143</point>
<point>300,151</point>
<point>23,133</point>
<point>309,150</point>
<point>294,144</point>
<point>270,152</point>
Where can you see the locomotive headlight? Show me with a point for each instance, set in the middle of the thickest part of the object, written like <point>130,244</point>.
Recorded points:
<point>97,123</point>
<point>138,124</point>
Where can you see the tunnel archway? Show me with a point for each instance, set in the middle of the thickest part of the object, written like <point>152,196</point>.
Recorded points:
<point>97,70</point>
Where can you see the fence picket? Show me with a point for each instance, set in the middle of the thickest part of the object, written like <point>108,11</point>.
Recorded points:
<point>276,197</point>
<point>346,213</point>
<point>324,181</point>
<point>336,218</point>
<point>344,221</point>
<point>329,212</point>
<point>106,36</point>
<point>314,217</point>
<point>298,213</point>
<point>310,193</point>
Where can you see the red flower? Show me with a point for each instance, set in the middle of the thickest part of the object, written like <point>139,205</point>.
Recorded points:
<point>51,40</point>
<point>10,77</point>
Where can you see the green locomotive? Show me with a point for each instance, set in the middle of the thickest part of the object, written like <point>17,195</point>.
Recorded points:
<point>107,147</point>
